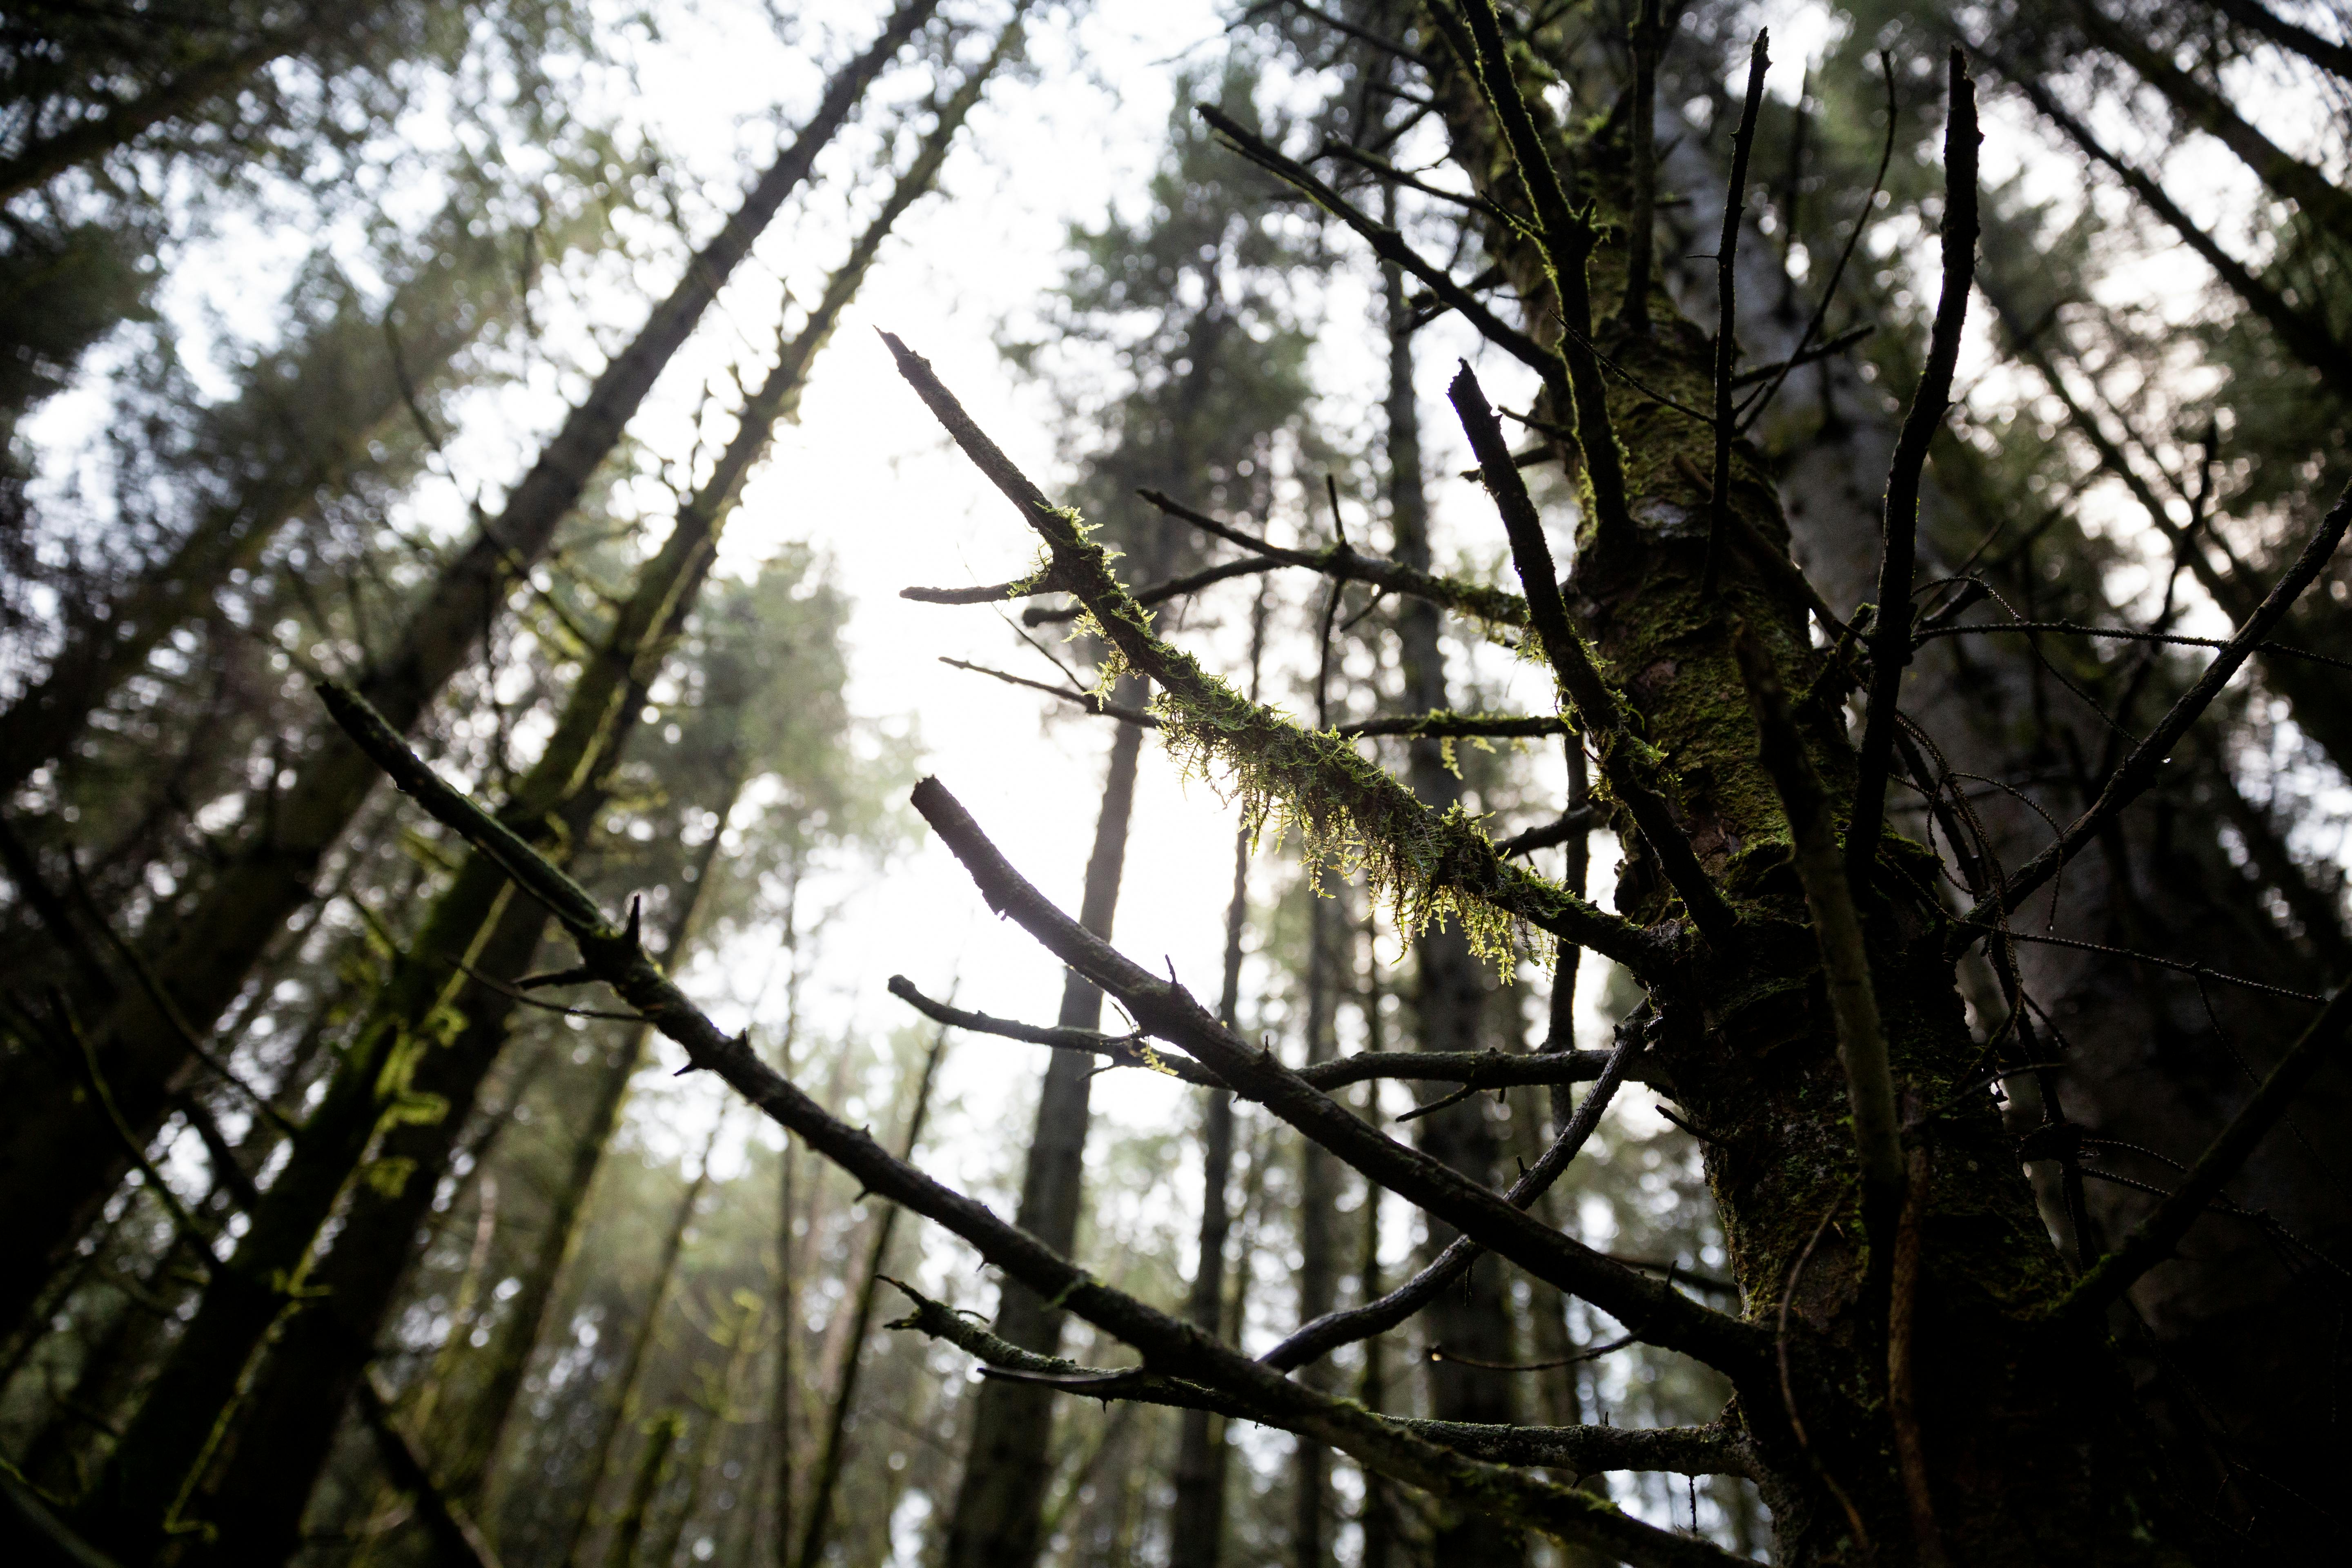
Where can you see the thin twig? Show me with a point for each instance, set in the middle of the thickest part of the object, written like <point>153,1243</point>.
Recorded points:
<point>1726,335</point>
<point>2138,770</point>
<point>2152,1240</point>
<point>1890,639</point>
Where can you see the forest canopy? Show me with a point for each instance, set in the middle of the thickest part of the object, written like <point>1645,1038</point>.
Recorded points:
<point>976,784</point>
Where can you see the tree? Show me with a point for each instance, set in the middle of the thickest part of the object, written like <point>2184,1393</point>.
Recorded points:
<point>142,1053</point>
<point>1832,1183</point>
<point>1944,636</point>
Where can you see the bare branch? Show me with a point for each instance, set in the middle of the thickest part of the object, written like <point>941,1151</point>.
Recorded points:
<point>1169,1012</point>
<point>1587,1450</point>
<point>2128,781</point>
<point>1326,1334</point>
<point>1495,605</point>
<point>1727,338</point>
<point>1890,640</point>
<point>1837,929</point>
<point>1171,1344</point>
<point>2152,1240</point>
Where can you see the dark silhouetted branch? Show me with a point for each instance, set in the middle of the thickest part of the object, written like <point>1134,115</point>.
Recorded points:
<point>1328,1333</point>
<point>2152,1240</point>
<point>1182,1350</point>
<point>1626,760</point>
<point>2138,770</point>
<point>1890,638</point>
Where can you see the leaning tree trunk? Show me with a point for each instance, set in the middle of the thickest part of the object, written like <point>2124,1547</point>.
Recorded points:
<point>623,1384</point>
<point>62,1158</point>
<point>310,418</point>
<point>393,1061</point>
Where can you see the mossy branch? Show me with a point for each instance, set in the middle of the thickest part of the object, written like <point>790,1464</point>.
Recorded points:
<point>619,959</point>
<point>1169,1012</point>
<point>1347,810</point>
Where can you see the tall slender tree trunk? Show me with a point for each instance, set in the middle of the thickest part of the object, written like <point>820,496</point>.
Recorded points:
<point>61,1160</point>
<point>478,1433</point>
<point>1318,1244</point>
<point>1197,1521</point>
<point>1450,1002</point>
<point>621,1402</point>
<point>653,1466</point>
<point>833,1451</point>
<point>999,1507</point>
<point>392,1065</point>
<point>719,1419</point>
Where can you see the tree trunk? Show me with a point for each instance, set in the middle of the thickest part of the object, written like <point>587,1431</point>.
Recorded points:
<point>87,140</point>
<point>833,1452</point>
<point>481,1429</point>
<point>999,1507</point>
<point>653,1474</point>
<point>392,1067</point>
<point>624,1381</point>
<point>717,1420</point>
<point>2231,1327</point>
<point>62,1160</point>
<point>307,420</point>
<point>1450,1002</point>
<point>1318,1242</point>
<point>1197,1523</point>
